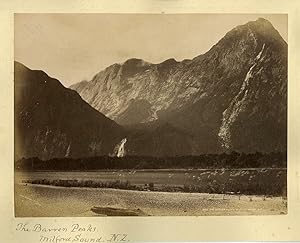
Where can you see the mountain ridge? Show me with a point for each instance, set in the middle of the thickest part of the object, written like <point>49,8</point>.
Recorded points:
<point>53,121</point>
<point>231,98</point>
<point>211,95</point>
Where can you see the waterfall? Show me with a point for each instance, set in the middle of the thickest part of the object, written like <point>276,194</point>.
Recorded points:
<point>121,149</point>
<point>68,150</point>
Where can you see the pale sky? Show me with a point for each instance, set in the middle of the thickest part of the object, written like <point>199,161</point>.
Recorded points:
<point>74,47</point>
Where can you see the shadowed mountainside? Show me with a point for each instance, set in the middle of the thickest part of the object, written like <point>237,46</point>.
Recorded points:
<point>234,97</point>
<point>53,121</point>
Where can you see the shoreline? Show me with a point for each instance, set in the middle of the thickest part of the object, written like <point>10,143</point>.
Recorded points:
<point>51,201</point>
<point>159,170</point>
<point>217,196</point>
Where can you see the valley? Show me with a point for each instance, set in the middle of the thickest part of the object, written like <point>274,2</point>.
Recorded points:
<point>201,136</point>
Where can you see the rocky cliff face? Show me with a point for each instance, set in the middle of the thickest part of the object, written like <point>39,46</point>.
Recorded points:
<point>234,97</point>
<point>131,92</point>
<point>53,121</point>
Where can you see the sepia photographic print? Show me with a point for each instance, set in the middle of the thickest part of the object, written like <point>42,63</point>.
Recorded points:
<point>150,114</point>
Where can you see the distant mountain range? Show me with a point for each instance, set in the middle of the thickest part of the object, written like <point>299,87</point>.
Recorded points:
<point>233,97</point>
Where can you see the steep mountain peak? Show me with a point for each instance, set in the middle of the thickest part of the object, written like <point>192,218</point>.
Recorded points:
<point>168,63</point>
<point>261,21</point>
<point>263,26</point>
<point>261,29</point>
<point>39,78</point>
<point>133,66</point>
<point>247,38</point>
<point>137,62</point>
<point>222,97</point>
<point>19,66</point>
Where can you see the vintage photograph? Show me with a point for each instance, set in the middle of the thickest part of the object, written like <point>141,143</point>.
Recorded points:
<point>150,114</point>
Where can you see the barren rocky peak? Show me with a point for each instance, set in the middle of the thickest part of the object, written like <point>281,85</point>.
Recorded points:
<point>170,85</point>
<point>233,97</point>
<point>239,83</point>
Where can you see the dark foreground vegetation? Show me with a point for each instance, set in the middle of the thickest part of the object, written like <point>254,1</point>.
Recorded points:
<point>205,161</point>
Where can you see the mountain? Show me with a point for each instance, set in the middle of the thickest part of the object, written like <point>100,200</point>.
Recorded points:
<point>233,97</point>
<point>53,121</point>
<point>159,140</point>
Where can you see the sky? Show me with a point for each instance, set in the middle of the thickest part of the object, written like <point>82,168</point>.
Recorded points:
<point>75,47</point>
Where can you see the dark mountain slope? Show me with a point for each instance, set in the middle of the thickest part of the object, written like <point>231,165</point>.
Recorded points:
<point>53,121</point>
